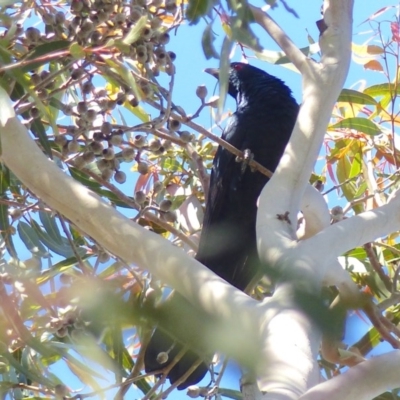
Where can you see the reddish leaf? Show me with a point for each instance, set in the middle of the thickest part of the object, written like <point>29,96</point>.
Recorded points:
<point>394,26</point>
<point>373,49</point>
<point>142,182</point>
<point>377,13</point>
<point>374,65</point>
<point>331,173</point>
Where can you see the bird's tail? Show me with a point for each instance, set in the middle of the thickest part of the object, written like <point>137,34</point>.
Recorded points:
<point>162,350</point>
<point>181,320</point>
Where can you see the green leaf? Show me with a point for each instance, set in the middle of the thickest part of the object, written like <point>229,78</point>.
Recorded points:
<point>56,103</point>
<point>50,225</point>
<point>29,374</point>
<point>58,268</point>
<point>63,249</point>
<point>207,42</point>
<point>358,253</point>
<point>84,179</point>
<point>5,230</point>
<point>382,89</point>
<point>77,51</point>
<point>96,187</point>
<point>139,111</point>
<point>361,190</point>
<point>30,239</point>
<point>353,96</point>
<point>197,9</point>
<point>17,92</point>
<point>135,32</point>
<point>382,105</point>
<point>355,166</point>
<point>114,198</point>
<point>72,361</point>
<point>242,33</point>
<point>342,172</point>
<point>4,179</point>
<point>6,55</point>
<point>171,164</point>
<point>125,74</point>
<point>89,349</point>
<point>38,130</point>
<point>223,74</point>
<point>360,124</point>
<point>279,57</point>
<point>393,395</point>
<point>42,50</point>
<point>4,209</point>
<point>369,341</point>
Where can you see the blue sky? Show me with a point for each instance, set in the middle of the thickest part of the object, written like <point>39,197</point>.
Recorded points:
<point>191,62</point>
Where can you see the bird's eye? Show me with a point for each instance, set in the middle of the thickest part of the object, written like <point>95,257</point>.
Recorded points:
<point>237,66</point>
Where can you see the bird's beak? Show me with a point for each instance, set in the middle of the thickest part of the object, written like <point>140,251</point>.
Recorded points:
<point>212,71</point>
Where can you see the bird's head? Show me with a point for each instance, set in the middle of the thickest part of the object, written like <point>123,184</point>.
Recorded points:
<point>242,77</point>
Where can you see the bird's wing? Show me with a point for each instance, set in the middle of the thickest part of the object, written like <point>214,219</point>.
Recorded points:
<point>228,236</point>
<point>223,172</point>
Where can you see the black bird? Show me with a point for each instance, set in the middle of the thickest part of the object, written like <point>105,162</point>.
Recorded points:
<point>262,124</point>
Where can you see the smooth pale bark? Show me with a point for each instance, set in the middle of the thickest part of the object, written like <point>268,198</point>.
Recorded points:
<point>280,203</point>
<point>131,242</point>
<point>365,381</point>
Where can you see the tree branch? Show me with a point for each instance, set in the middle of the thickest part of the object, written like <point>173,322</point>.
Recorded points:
<point>232,309</point>
<point>322,85</point>
<point>364,381</point>
<point>280,200</point>
<point>355,231</point>
<point>315,212</point>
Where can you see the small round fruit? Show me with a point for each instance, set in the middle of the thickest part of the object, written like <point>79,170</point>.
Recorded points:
<point>120,177</point>
<point>139,141</point>
<point>165,205</point>
<point>186,136</point>
<point>107,174</point>
<point>142,168</point>
<point>108,153</point>
<point>96,147</point>
<point>128,154</point>
<point>174,125</point>
<point>170,216</point>
<point>140,197</point>
<point>154,144</point>
<point>73,146</point>
<point>201,92</point>
<point>116,139</point>
<point>60,140</point>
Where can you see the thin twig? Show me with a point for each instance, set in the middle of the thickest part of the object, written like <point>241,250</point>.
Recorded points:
<point>253,164</point>
<point>182,379</point>
<point>136,369</point>
<point>23,63</point>
<point>202,173</point>
<point>82,266</point>
<point>377,266</point>
<point>147,215</point>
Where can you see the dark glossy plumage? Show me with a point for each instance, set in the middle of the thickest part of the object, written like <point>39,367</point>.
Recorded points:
<point>263,122</point>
